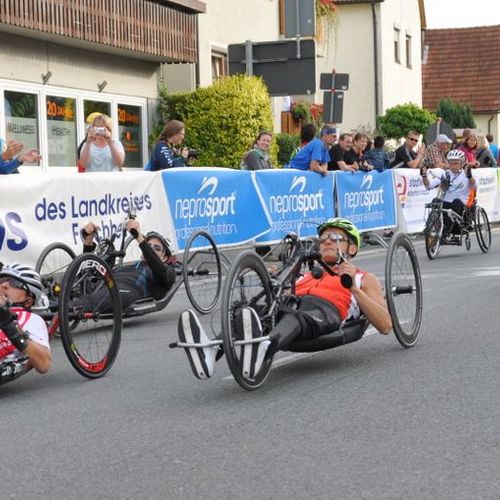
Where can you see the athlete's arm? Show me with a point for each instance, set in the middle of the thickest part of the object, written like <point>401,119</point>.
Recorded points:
<point>40,356</point>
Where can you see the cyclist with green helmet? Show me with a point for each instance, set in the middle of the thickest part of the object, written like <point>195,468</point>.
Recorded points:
<point>322,304</point>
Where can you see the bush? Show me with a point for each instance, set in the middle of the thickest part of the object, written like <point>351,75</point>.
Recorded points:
<point>399,120</point>
<point>286,144</point>
<point>223,120</point>
<point>456,114</point>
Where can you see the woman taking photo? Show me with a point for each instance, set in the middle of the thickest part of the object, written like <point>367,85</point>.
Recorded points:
<point>100,153</point>
<point>165,154</point>
<point>258,157</point>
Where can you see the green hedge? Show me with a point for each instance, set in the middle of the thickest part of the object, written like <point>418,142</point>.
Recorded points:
<point>222,120</point>
<point>286,144</point>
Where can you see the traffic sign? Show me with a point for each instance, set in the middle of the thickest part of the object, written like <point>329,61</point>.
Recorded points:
<point>333,107</point>
<point>277,63</point>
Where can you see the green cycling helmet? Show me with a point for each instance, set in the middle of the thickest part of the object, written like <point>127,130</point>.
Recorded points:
<point>345,225</point>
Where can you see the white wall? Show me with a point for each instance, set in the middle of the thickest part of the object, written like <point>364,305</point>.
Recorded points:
<point>400,84</point>
<point>482,125</point>
<point>25,59</point>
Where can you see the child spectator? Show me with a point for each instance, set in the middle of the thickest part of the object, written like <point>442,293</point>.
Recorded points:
<point>377,157</point>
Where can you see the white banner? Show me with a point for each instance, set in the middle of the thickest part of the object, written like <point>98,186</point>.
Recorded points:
<point>38,209</point>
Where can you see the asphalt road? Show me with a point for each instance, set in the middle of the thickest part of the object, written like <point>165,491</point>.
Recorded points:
<point>370,420</point>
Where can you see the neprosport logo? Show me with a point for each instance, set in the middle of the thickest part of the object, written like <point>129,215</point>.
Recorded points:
<point>205,204</point>
<point>297,200</point>
<point>365,199</point>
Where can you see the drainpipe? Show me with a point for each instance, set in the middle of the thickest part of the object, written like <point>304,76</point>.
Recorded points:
<point>375,59</point>
<point>489,123</point>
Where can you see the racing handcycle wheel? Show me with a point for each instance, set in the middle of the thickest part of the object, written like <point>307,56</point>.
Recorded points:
<point>403,288</point>
<point>432,234</point>
<point>202,272</point>
<point>90,315</point>
<point>483,229</point>
<point>247,284</point>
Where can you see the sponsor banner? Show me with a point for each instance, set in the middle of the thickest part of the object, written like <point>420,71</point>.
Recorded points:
<point>48,208</point>
<point>223,202</point>
<point>413,196</point>
<point>367,199</point>
<point>295,200</point>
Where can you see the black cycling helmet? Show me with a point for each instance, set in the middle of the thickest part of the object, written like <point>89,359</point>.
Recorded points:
<point>25,275</point>
<point>165,243</point>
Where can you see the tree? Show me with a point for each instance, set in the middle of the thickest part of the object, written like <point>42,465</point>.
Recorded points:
<point>400,119</point>
<point>456,114</point>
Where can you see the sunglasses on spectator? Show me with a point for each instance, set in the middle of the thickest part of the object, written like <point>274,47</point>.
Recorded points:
<point>14,283</point>
<point>412,139</point>
<point>156,246</point>
<point>333,237</point>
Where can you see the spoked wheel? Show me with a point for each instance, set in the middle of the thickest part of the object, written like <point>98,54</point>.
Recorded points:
<point>90,316</point>
<point>247,284</point>
<point>202,272</point>
<point>483,229</point>
<point>52,265</point>
<point>403,288</point>
<point>432,233</point>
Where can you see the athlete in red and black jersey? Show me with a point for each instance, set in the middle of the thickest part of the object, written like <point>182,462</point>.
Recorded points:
<point>24,342</point>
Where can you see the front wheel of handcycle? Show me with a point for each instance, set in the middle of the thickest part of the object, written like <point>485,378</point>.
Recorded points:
<point>247,285</point>
<point>403,288</point>
<point>90,316</point>
<point>202,272</point>
<point>432,234</point>
<point>483,229</point>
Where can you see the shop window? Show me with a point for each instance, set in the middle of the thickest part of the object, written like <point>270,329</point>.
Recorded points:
<point>21,118</point>
<point>61,131</point>
<point>130,134</point>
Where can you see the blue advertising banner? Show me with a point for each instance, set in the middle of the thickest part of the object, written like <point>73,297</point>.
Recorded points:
<point>295,200</point>
<point>223,202</point>
<point>367,199</point>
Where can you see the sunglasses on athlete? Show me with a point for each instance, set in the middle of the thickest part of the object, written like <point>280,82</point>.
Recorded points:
<point>157,247</point>
<point>337,238</point>
<point>13,282</point>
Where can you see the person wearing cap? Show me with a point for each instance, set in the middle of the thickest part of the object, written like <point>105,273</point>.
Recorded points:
<point>435,154</point>
<point>315,155</point>
<point>321,304</point>
<point>24,340</point>
<point>151,276</point>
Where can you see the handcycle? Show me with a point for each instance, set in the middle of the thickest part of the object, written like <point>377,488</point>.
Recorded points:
<point>68,279</point>
<point>473,220</point>
<point>249,283</point>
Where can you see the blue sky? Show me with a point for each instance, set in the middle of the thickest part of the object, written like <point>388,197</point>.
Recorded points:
<point>461,13</point>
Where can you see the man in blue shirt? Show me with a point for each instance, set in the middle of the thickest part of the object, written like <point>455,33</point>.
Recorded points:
<point>315,155</point>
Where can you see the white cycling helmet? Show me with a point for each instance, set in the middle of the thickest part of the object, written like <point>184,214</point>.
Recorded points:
<point>456,154</point>
<point>25,275</point>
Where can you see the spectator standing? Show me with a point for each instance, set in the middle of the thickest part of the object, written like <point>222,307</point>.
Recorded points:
<point>339,157</point>
<point>258,157</point>
<point>355,155</point>
<point>377,158</point>
<point>493,147</point>
<point>469,148</point>
<point>483,154</point>
<point>435,155</point>
<point>13,156</point>
<point>88,124</point>
<point>315,155</point>
<point>406,156</point>
<point>165,153</point>
<point>100,153</point>
<point>307,134</point>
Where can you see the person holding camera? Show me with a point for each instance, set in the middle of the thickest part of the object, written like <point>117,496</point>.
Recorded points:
<point>456,184</point>
<point>100,152</point>
<point>24,340</point>
<point>151,276</point>
<point>166,153</point>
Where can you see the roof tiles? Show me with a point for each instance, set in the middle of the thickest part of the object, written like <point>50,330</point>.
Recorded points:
<point>461,65</point>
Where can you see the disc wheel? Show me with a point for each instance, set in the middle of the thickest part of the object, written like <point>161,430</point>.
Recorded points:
<point>483,229</point>
<point>90,315</point>
<point>403,288</point>
<point>432,233</point>
<point>247,284</point>
<point>52,265</point>
<point>202,272</point>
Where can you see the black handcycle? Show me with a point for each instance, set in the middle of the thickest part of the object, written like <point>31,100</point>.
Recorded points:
<point>473,220</point>
<point>249,283</point>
